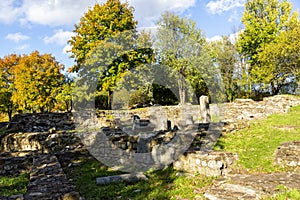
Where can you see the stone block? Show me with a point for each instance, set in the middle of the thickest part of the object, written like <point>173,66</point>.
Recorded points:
<point>210,164</point>
<point>288,154</point>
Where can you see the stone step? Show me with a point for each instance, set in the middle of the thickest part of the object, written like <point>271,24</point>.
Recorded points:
<point>229,191</point>
<point>48,181</point>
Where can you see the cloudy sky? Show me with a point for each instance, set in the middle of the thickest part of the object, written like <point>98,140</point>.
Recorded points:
<point>46,25</point>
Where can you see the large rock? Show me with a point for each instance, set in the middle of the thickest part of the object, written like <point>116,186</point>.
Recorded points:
<point>210,164</point>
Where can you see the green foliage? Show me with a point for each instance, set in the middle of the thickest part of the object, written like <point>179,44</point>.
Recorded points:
<point>256,145</point>
<point>226,58</point>
<point>182,48</point>
<point>163,95</point>
<point>101,100</point>
<point>97,24</point>
<point>264,21</point>
<point>106,46</point>
<point>13,185</point>
<point>64,96</point>
<point>281,59</point>
<point>141,96</point>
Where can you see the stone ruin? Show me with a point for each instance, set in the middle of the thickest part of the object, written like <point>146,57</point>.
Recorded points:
<point>41,122</point>
<point>288,154</point>
<point>41,154</point>
<point>39,139</point>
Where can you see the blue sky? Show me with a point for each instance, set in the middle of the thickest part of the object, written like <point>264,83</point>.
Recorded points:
<point>46,25</point>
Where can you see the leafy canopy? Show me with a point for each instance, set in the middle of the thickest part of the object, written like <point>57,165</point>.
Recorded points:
<point>97,24</point>
<point>37,82</point>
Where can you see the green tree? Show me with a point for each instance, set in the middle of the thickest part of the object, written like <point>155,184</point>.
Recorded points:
<point>281,60</point>
<point>263,21</point>
<point>226,57</point>
<point>182,47</point>
<point>112,59</point>
<point>37,82</point>
<point>7,65</point>
<point>107,45</point>
<point>64,95</point>
<point>99,23</point>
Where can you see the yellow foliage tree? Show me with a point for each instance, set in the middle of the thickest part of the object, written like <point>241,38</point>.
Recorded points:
<point>37,82</point>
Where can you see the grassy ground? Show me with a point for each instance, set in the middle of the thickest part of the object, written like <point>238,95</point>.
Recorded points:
<point>161,184</point>
<point>286,194</point>
<point>256,145</point>
<point>12,185</point>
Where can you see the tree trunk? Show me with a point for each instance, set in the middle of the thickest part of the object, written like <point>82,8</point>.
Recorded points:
<point>109,100</point>
<point>9,113</point>
<point>181,90</point>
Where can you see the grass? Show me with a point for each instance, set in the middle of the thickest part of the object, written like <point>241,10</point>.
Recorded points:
<point>256,144</point>
<point>161,184</point>
<point>285,193</point>
<point>12,185</point>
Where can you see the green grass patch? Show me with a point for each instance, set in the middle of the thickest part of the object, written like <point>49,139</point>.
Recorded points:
<point>12,185</point>
<point>161,184</point>
<point>285,193</point>
<point>256,144</point>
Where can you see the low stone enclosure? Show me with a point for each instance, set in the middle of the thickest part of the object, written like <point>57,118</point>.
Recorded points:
<point>38,143</point>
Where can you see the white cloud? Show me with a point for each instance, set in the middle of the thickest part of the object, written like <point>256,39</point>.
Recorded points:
<point>55,12</point>
<point>8,11</point>
<point>234,36</point>
<point>220,6</point>
<point>214,38</point>
<point>60,37</point>
<point>68,12</point>
<point>23,47</point>
<point>16,37</point>
<point>234,16</point>
<point>147,12</point>
<point>66,49</point>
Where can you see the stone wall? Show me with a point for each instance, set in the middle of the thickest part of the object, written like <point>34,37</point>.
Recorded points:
<point>14,165</point>
<point>235,115</point>
<point>212,163</point>
<point>44,142</point>
<point>288,154</point>
<point>40,122</point>
<point>238,113</point>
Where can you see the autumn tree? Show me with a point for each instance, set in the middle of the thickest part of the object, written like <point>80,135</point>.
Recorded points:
<point>37,81</point>
<point>264,20</point>
<point>113,58</point>
<point>7,78</point>
<point>181,47</point>
<point>106,46</point>
<point>99,23</point>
